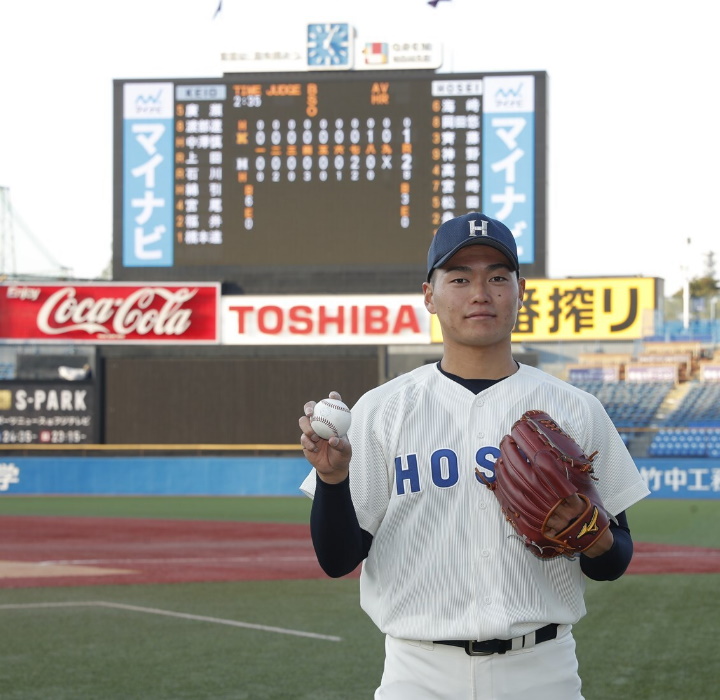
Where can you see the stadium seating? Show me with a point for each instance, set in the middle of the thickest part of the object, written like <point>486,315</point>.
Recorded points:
<point>699,409</point>
<point>686,442</point>
<point>693,428</point>
<point>629,405</point>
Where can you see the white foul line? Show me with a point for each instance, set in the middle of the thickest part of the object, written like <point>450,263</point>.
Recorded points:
<point>171,613</point>
<point>177,560</point>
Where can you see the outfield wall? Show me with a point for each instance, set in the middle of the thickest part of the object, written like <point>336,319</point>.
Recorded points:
<point>260,476</point>
<point>153,476</point>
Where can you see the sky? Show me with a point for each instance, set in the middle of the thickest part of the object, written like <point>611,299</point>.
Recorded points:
<point>633,146</point>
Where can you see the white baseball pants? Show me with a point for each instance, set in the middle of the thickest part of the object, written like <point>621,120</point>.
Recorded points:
<point>426,671</point>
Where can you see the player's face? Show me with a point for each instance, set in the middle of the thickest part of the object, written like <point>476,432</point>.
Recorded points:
<point>476,297</point>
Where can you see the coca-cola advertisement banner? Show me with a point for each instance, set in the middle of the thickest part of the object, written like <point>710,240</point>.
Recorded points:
<point>110,313</point>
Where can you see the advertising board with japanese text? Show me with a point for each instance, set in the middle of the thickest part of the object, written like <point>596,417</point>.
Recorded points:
<point>687,479</point>
<point>109,313</point>
<point>610,308</point>
<point>684,478</point>
<point>324,180</point>
<point>52,413</point>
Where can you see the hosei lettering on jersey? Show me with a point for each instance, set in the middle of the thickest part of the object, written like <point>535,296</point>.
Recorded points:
<point>443,469</point>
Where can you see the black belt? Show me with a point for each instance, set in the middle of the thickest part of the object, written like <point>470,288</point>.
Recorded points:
<point>500,646</point>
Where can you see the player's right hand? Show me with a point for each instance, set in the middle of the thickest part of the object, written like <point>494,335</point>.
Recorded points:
<point>331,458</point>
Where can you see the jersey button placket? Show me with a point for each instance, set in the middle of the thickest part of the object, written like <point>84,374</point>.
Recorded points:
<point>479,403</point>
<point>482,561</point>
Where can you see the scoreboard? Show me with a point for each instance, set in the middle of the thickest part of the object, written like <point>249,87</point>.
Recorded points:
<point>318,182</point>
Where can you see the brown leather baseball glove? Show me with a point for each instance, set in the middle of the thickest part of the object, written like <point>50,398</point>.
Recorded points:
<point>540,466</point>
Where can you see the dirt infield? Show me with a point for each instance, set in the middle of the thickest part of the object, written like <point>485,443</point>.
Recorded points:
<point>72,551</point>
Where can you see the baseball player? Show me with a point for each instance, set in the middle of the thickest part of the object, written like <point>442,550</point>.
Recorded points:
<point>467,610</point>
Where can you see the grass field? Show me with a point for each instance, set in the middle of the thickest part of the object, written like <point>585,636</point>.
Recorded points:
<point>645,636</point>
<point>250,509</point>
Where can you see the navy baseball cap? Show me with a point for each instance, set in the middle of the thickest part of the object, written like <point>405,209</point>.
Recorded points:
<point>471,229</point>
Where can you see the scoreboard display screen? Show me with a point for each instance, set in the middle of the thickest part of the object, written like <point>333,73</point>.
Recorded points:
<point>319,182</point>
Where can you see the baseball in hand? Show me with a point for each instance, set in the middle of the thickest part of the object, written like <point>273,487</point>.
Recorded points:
<point>331,418</point>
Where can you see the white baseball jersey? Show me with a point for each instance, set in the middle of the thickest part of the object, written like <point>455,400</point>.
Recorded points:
<point>444,562</point>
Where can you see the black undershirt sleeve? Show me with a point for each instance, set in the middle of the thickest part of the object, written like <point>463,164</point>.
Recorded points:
<point>613,564</point>
<point>340,544</point>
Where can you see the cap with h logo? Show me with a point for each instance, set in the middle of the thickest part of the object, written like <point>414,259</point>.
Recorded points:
<point>471,229</point>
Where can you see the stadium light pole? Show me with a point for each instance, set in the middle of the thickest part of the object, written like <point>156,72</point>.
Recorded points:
<point>686,288</point>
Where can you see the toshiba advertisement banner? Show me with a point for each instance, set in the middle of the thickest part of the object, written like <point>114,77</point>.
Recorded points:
<point>110,313</point>
<point>389,319</point>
